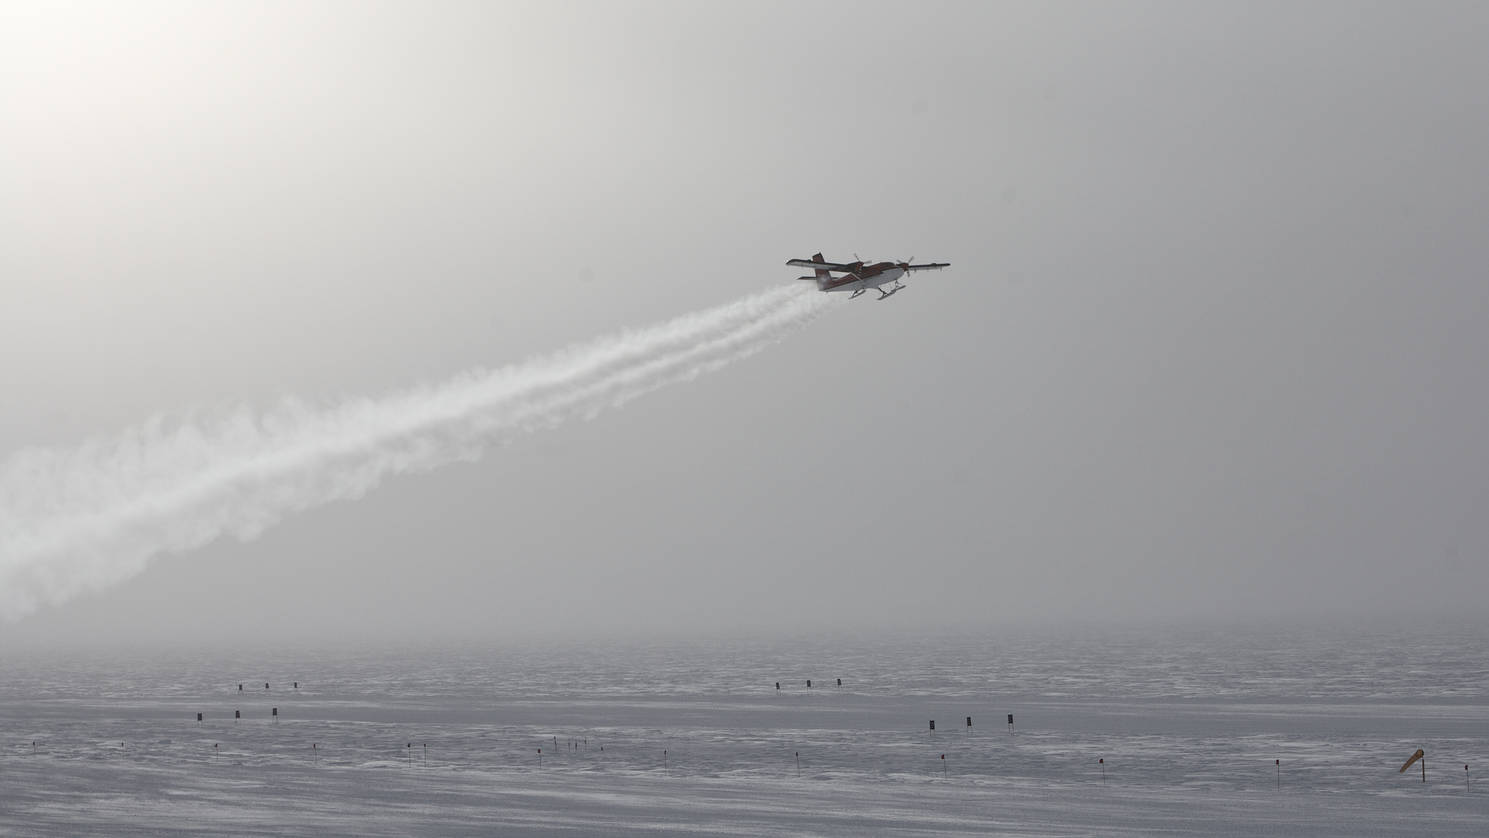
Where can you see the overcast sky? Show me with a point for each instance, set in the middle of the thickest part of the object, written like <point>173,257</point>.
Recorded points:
<point>1213,341</point>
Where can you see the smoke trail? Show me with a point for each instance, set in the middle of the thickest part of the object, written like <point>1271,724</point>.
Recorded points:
<point>87,518</point>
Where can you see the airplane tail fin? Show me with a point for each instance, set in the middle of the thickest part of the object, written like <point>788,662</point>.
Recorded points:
<point>823,275</point>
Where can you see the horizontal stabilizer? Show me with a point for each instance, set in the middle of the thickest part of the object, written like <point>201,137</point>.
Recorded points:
<point>820,265</point>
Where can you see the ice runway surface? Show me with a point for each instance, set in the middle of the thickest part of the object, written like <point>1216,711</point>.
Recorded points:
<point>1188,723</point>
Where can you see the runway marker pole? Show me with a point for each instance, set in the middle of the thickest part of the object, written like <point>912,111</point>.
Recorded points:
<point>943,766</point>
<point>1419,755</point>
<point>1279,774</point>
<point>1102,763</point>
<point>798,764</point>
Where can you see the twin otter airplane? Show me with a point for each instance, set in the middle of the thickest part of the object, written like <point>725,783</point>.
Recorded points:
<point>861,277</point>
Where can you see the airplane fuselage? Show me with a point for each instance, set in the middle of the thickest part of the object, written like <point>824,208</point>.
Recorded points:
<point>869,276</point>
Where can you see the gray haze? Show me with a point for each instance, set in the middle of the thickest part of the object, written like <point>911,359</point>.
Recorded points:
<point>1212,343</point>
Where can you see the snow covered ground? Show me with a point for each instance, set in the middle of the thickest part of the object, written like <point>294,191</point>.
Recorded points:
<point>1189,725</point>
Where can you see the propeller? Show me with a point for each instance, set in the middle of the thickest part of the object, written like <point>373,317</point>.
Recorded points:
<point>908,262</point>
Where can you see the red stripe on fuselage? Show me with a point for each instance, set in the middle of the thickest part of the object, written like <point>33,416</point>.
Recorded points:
<point>865,272</point>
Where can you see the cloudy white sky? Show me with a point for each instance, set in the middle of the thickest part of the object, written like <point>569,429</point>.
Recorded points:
<point>1213,342</point>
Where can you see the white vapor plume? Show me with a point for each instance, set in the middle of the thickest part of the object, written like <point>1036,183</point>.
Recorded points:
<point>83,519</point>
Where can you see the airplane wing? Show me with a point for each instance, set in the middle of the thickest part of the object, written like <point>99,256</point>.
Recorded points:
<point>929,266</point>
<point>821,266</point>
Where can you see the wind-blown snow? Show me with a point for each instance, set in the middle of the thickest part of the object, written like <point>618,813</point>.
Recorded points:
<point>74,520</point>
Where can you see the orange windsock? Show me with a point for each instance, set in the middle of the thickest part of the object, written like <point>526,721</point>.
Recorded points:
<point>1414,757</point>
